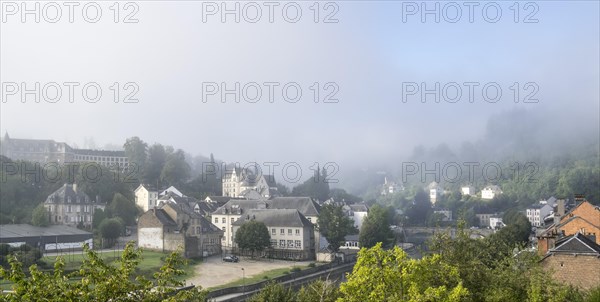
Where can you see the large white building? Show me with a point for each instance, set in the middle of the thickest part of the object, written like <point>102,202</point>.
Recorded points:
<point>435,191</point>
<point>226,215</point>
<point>536,213</point>
<point>146,197</point>
<point>241,183</point>
<point>489,192</point>
<point>358,212</point>
<point>292,235</point>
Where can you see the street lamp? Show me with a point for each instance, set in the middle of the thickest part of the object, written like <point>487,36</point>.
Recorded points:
<point>243,280</point>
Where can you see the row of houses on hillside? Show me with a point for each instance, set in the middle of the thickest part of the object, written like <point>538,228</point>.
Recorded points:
<point>435,191</point>
<point>291,221</point>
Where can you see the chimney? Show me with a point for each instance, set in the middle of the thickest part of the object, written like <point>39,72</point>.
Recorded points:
<point>560,207</point>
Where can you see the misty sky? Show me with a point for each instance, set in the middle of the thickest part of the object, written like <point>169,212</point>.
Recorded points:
<point>368,54</point>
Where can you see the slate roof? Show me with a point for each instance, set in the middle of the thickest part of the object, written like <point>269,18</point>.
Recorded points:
<point>359,207</point>
<point>67,191</point>
<point>148,187</point>
<point>538,206</point>
<point>221,199</point>
<point>492,187</point>
<point>276,218</point>
<point>576,244</point>
<point>305,205</point>
<point>163,217</point>
<point>99,152</point>
<point>27,230</point>
<point>207,226</point>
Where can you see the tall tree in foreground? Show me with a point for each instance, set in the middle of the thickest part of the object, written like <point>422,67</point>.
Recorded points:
<point>381,275</point>
<point>335,225</point>
<point>253,236</point>
<point>96,280</point>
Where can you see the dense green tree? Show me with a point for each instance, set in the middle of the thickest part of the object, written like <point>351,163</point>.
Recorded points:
<point>316,187</point>
<point>99,216</point>
<point>100,182</point>
<point>381,275</point>
<point>319,291</point>
<point>421,208</point>
<point>253,236</point>
<point>97,280</point>
<point>157,157</point>
<point>136,151</point>
<point>335,225</point>
<point>341,195</point>
<point>274,292</point>
<point>176,170</point>
<point>376,228</point>
<point>283,189</point>
<point>110,229</point>
<point>39,217</point>
<point>123,208</point>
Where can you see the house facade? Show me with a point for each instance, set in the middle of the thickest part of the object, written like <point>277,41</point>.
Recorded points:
<point>467,190</point>
<point>435,191</point>
<point>584,218</point>
<point>292,235</point>
<point>176,226</point>
<point>71,206</point>
<point>445,213</point>
<point>536,213</point>
<point>146,197</point>
<point>489,192</point>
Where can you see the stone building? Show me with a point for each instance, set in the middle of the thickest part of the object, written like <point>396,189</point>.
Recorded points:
<point>173,226</point>
<point>71,206</point>
<point>584,218</point>
<point>575,261</point>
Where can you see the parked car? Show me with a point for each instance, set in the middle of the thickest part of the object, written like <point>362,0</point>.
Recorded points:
<point>231,258</point>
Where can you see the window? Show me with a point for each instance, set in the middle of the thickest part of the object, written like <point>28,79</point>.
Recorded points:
<point>274,242</point>
<point>282,231</point>
<point>223,220</point>
<point>290,232</point>
<point>281,243</point>
<point>223,229</point>
<point>232,219</point>
<point>290,243</point>
<point>298,243</point>
<point>68,209</point>
<point>273,231</point>
<point>216,219</point>
<point>297,232</point>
